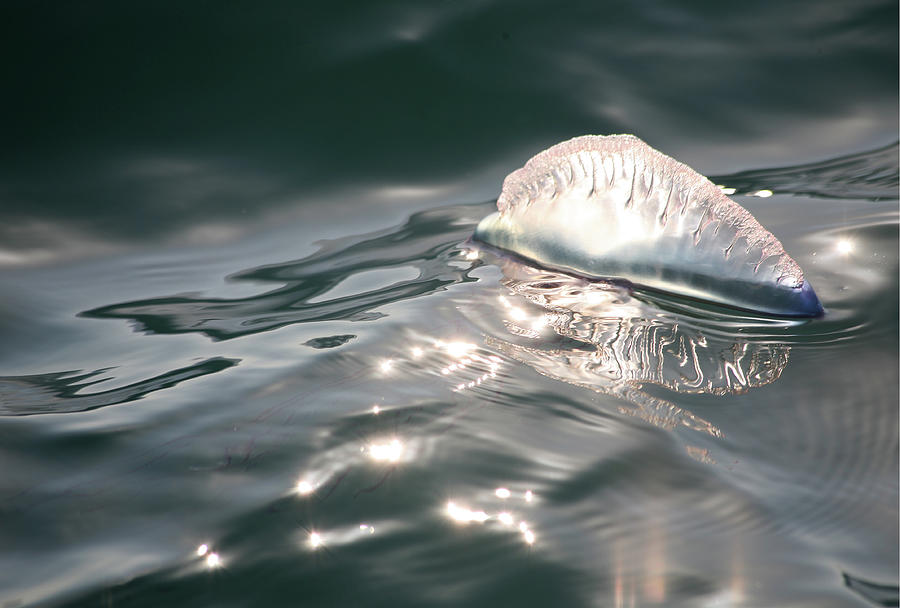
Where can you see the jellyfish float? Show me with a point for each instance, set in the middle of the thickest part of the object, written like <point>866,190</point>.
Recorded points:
<point>612,207</point>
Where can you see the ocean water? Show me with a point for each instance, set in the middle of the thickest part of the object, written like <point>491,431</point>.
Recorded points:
<point>250,357</point>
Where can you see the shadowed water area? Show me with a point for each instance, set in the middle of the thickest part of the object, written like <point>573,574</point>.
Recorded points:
<point>249,355</point>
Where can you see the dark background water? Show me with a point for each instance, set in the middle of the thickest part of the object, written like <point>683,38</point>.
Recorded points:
<point>177,351</point>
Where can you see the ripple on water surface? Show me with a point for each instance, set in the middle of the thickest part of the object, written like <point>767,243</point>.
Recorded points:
<point>447,425</point>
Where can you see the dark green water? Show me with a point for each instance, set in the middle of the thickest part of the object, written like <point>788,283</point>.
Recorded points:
<point>232,258</point>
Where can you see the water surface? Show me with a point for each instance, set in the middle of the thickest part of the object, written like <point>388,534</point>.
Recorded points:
<point>241,315</point>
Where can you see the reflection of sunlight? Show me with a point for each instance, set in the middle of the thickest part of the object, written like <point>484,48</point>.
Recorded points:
<point>464,359</point>
<point>390,452</point>
<point>597,297</point>
<point>618,575</point>
<point>464,515</point>
<point>539,322</point>
<point>304,487</point>
<point>725,597</point>
<point>655,567</point>
<point>367,528</point>
<point>517,313</point>
<point>699,454</point>
<point>529,496</point>
<point>762,193</point>
<point>502,493</point>
<point>457,349</point>
<point>738,583</point>
<point>727,190</point>
<point>527,533</point>
<point>315,540</point>
<point>844,246</point>
<point>406,191</point>
<point>212,559</point>
<point>376,410</point>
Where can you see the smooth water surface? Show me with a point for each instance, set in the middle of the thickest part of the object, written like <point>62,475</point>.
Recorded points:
<point>249,356</point>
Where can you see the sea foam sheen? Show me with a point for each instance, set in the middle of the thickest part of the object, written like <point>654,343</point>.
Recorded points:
<point>613,207</point>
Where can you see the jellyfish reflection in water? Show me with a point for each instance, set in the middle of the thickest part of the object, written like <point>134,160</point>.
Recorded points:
<point>607,340</point>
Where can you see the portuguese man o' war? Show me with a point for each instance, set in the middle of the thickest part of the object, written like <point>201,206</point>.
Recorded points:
<point>612,207</point>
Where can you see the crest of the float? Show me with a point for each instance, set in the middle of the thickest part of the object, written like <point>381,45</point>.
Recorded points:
<point>613,207</point>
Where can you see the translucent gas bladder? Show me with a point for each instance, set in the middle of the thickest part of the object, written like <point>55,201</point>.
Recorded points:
<point>613,207</point>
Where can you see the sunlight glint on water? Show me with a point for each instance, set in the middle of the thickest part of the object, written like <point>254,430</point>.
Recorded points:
<point>250,356</point>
